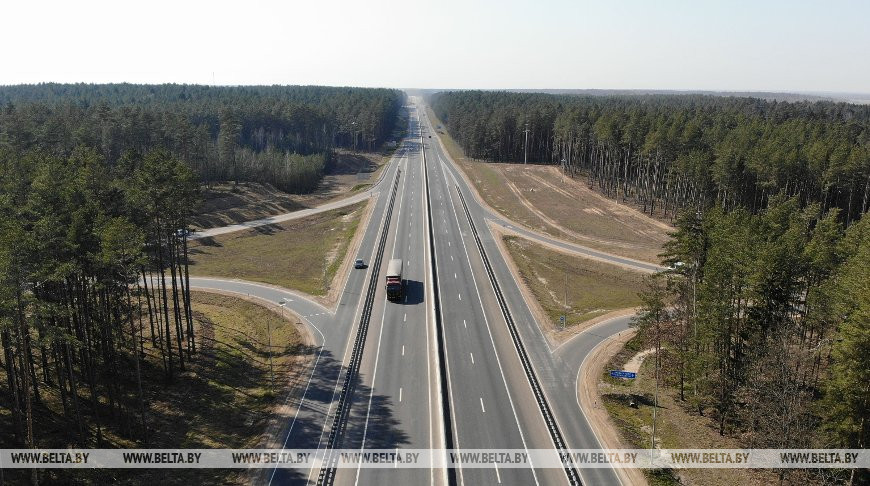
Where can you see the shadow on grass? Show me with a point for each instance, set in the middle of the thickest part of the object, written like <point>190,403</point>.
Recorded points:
<point>220,400</point>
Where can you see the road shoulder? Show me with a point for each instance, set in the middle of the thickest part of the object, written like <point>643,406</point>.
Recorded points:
<point>589,399</point>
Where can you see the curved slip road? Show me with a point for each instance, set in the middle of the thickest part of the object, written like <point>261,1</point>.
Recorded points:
<point>396,400</point>
<point>556,369</point>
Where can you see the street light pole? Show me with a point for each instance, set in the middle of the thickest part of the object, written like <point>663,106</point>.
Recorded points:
<point>353,134</point>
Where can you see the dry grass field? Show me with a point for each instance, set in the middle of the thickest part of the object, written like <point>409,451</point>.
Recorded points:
<point>540,198</point>
<point>303,254</point>
<point>594,288</point>
<point>222,399</point>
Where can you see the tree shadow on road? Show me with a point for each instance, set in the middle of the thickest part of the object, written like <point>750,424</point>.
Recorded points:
<point>312,423</point>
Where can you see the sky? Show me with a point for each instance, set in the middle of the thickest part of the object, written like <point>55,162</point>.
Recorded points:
<point>728,45</point>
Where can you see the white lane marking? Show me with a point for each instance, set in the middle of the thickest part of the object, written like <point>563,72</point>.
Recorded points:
<point>451,258</point>
<point>464,324</point>
<point>497,475</point>
<point>378,352</point>
<point>400,394</point>
<point>481,405</point>
<point>460,296</point>
<point>472,357</point>
<point>454,275</point>
<point>403,350</point>
<point>448,244</point>
<point>405,319</point>
<point>492,341</point>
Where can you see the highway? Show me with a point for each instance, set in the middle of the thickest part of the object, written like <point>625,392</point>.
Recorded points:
<point>556,370</point>
<point>397,403</point>
<point>395,398</point>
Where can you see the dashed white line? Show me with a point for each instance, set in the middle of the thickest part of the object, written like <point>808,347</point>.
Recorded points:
<point>497,475</point>
<point>464,324</point>
<point>460,296</point>
<point>481,405</point>
<point>451,258</point>
<point>403,350</point>
<point>405,319</point>
<point>472,357</point>
<point>454,275</point>
<point>400,394</point>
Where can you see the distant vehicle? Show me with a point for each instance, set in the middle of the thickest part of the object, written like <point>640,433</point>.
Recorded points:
<point>395,285</point>
<point>359,263</point>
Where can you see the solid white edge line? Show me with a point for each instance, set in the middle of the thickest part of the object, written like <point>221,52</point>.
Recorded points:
<point>355,325</point>
<point>492,340</point>
<point>440,384</point>
<point>380,336</point>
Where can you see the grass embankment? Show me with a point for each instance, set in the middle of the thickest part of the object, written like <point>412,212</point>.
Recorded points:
<point>222,399</point>
<point>676,427</point>
<point>303,254</point>
<point>227,203</point>
<point>538,197</point>
<point>594,288</point>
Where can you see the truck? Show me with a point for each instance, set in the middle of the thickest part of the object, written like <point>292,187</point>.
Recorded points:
<point>395,284</point>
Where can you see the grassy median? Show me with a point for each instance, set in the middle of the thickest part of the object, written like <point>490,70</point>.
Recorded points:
<point>594,288</point>
<point>302,254</point>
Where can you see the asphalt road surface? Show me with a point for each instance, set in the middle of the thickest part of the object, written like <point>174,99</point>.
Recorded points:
<point>396,400</point>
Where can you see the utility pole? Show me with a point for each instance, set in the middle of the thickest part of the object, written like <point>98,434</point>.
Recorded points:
<point>269,332</point>
<point>566,299</point>
<point>526,145</point>
<point>656,397</point>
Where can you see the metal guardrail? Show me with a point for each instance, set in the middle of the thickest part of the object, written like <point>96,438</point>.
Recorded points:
<point>546,411</point>
<point>449,442</point>
<point>336,432</point>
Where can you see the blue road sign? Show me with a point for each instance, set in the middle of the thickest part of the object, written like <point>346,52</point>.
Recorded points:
<point>622,374</point>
